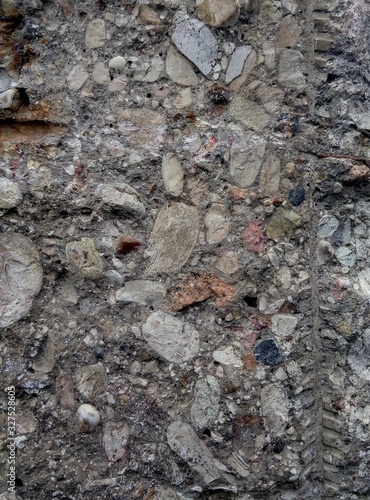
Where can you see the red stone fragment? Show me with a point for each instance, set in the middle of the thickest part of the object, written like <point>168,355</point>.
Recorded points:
<point>253,237</point>
<point>259,322</point>
<point>237,193</point>
<point>126,245</point>
<point>249,361</point>
<point>277,201</point>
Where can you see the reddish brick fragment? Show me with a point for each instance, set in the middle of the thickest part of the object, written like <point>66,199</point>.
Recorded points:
<point>253,237</point>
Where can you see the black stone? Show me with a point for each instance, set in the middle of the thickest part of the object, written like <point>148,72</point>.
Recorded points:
<point>268,353</point>
<point>297,195</point>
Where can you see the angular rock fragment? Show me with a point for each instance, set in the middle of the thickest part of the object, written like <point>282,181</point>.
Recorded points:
<point>270,176</point>
<point>205,408</point>
<point>20,277</point>
<point>196,42</point>
<point>236,64</point>
<point>219,13</point>
<point>142,292</point>
<point>170,337</point>
<point>282,224</point>
<point>83,255</point>
<point>284,325</point>
<point>114,440</point>
<point>95,34</point>
<point>346,256</point>
<point>173,237</point>
<point>91,381</point>
<point>327,226</point>
<point>246,158</point>
<point>183,440</point>
<point>217,223</point>
<point>77,77</point>
<point>173,174</point>
<point>44,360</point>
<point>268,353</point>
<point>121,195</point>
<point>10,194</point>
<point>274,408</point>
<point>228,357</point>
<point>359,355</point>
<point>253,237</point>
<point>249,113</point>
<point>290,69</point>
<point>200,287</point>
<point>179,69</point>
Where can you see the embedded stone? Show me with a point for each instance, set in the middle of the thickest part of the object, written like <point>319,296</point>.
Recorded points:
<point>268,353</point>
<point>170,337</point>
<point>217,223</point>
<point>359,355</point>
<point>20,277</point>
<point>83,255</point>
<point>88,418</point>
<point>228,357</point>
<point>114,440</point>
<point>237,61</point>
<point>121,195</point>
<point>173,174</point>
<point>270,176</point>
<point>218,13</point>
<point>246,156</point>
<point>274,408</point>
<point>253,237</point>
<point>290,69</point>
<point>249,113</point>
<point>77,77</point>
<point>204,409</point>
<point>95,34</point>
<point>141,292</point>
<point>10,193</point>
<point>282,224</point>
<point>173,237</point>
<point>91,381</point>
<point>179,69</point>
<point>196,42</point>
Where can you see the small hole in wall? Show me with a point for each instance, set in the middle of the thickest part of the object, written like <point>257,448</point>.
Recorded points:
<point>251,301</point>
<point>207,432</point>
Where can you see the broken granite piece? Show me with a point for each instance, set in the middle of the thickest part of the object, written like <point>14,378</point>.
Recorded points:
<point>274,408</point>
<point>91,381</point>
<point>173,174</point>
<point>183,440</point>
<point>236,64</point>
<point>205,408</point>
<point>121,195</point>
<point>10,194</point>
<point>170,337</point>
<point>83,255</point>
<point>142,292</point>
<point>196,42</point>
<point>219,13</point>
<point>20,277</point>
<point>173,237</point>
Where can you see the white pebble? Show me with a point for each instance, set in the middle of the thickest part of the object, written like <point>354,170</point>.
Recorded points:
<point>88,418</point>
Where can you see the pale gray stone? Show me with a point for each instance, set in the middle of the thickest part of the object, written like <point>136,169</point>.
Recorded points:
<point>118,63</point>
<point>218,13</point>
<point>274,408</point>
<point>95,34</point>
<point>290,69</point>
<point>246,158</point>
<point>217,223</point>
<point>121,195</point>
<point>20,277</point>
<point>324,251</point>
<point>179,69</point>
<point>205,407</point>
<point>236,64</point>
<point>114,440</point>
<point>142,292</point>
<point>155,69</point>
<point>270,176</point>
<point>10,193</point>
<point>183,440</point>
<point>170,337</point>
<point>173,174</point>
<point>77,77</point>
<point>91,381</point>
<point>346,256</point>
<point>228,357</point>
<point>327,226</point>
<point>83,255</point>
<point>101,74</point>
<point>6,98</point>
<point>249,113</point>
<point>173,237</point>
<point>359,355</point>
<point>196,42</point>
<point>284,325</point>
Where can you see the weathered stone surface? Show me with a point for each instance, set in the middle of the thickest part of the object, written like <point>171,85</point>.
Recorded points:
<point>101,74</point>
<point>249,113</point>
<point>324,251</point>
<point>219,13</point>
<point>246,159</point>
<point>170,337</point>
<point>290,69</point>
<point>45,358</point>
<point>268,353</point>
<point>217,223</point>
<point>327,226</point>
<point>77,77</point>
<point>253,237</point>
<point>121,195</point>
<point>83,255</point>
<point>196,42</point>
<point>20,277</point>
<point>282,224</point>
<point>179,69</point>
<point>143,128</point>
<point>228,357</point>
<point>91,381</point>
<point>284,325</point>
<point>236,64</point>
<point>142,292</point>
<point>173,237</point>
<point>95,34</point>
<point>200,287</point>
<point>114,440</point>
<point>10,193</point>
<point>183,440</point>
<point>274,408</point>
<point>148,15</point>
<point>288,33</point>
<point>88,418</point>
<point>205,407</point>
<point>228,263</point>
<point>359,355</point>
<point>173,174</point>
<point>270,176</point>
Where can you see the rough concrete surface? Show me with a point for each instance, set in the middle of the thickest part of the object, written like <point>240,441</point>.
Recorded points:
<point>184,249</point>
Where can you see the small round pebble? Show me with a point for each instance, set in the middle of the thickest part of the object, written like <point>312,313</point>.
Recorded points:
<point>99,352</point>
<point>88,418</point>
<point>297,195</point>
